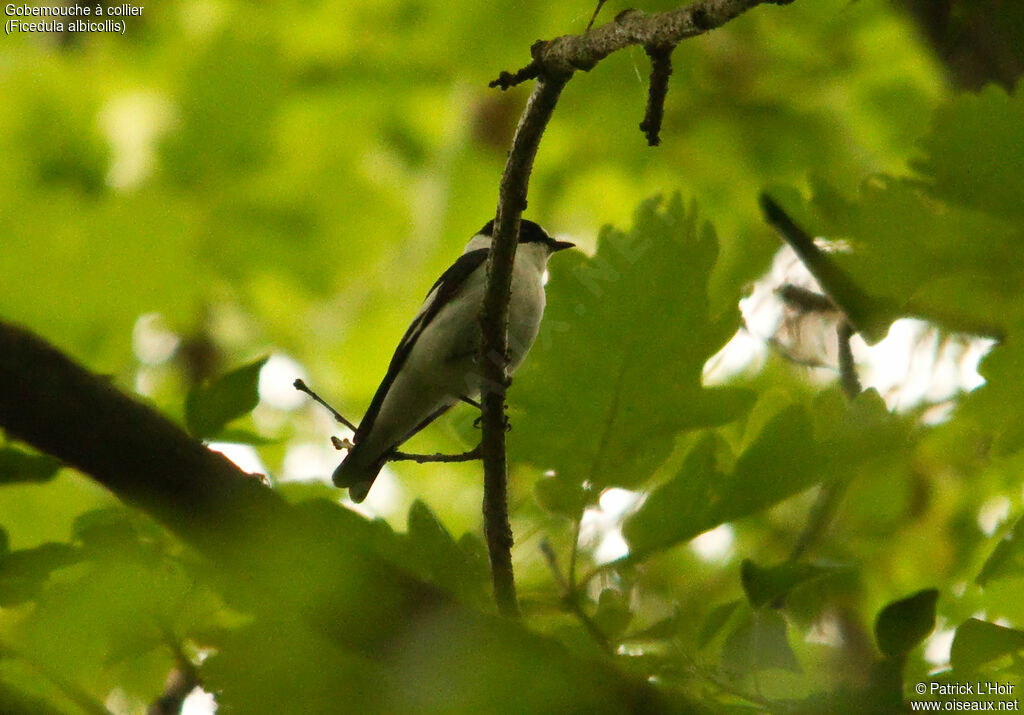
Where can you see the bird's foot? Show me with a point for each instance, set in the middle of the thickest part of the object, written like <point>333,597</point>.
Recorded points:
<point>508,425</point>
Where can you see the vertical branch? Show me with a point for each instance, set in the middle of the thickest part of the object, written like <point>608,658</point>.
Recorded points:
<point>552,63</point>
<point>847,368</point>
<point>493,355</point>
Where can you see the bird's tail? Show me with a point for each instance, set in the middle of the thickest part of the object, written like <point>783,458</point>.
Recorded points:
<point>356,473</point>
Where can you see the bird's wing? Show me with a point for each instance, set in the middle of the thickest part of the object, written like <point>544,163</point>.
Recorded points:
<point>446,288</point>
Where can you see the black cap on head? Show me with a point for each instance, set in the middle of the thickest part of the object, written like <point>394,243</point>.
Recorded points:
<point>529,232</point>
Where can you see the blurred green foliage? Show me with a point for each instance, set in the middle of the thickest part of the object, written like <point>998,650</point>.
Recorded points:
<point>288,179</point>
<point>210,406</point>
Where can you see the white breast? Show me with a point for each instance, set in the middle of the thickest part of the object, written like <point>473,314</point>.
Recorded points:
<point>526,307</point>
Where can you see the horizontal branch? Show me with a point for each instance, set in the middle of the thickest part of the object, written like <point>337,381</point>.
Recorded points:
<point>470,456</point>
<point>254,536</point>
<point>81,418</point>
<point>566,54</point>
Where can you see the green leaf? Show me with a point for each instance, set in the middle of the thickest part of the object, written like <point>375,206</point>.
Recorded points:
<point>766,585</point>
<point>682,508</point>
<point>103,527</point>
<point>563,496</point>
<point>796,448</point>
<point>998,405</point>
<point>19,466</point>
<point>974,152</point>
<point>241,436</point>
<point>977,642</point>
<point>374,537</point>
<point>476,554</point>
<point>659,630</point>
<point>117,531</point>
<point>1007,558</point>
<point>23,573</point>
<point>639,311</point>
<point>759,643</point>
<point>903,624</point>
<point>245,679</point>
<point>613,614</point>
<point>444,562</point>
<point>210,406</point>
<point>783,460</point>
<point>859,431</point>
<point>919,265</point>
<point>17,701</point>
<point>716,621</point>
<point>108,622</point>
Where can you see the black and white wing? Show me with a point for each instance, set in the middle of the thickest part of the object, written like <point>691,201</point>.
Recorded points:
<point>441,293</point>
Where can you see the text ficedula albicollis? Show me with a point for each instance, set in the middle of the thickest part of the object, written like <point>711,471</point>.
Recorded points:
<point>434,365</point>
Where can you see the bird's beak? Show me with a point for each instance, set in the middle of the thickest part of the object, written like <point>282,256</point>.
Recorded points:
<point>561,246</point>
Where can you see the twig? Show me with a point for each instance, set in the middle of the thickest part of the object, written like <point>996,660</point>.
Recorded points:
<point>552,559</point>
<point>658,32</point>
<point>661,70</point>
<point>847,368</point>
<point>339,443</point>
<point>820,516</point>
<point>804,299</point>
<point>570,598</point>
<point>508,80</point>
<point>470,456</point>
<point>600,4</point>
<point>301,387</point>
